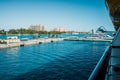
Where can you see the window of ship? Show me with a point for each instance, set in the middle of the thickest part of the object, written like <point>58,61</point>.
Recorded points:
<point>116,18</point>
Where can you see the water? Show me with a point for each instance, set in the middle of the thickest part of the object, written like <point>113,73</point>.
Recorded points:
<point>29,36</point>
<point>64,60</point>
<point>20,37</point>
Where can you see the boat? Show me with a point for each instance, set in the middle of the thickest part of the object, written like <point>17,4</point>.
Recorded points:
<point>91,37</point>
<point>75,33</point>
<point>24,39</point>
<point>99,36</point>
<point>72,38</point>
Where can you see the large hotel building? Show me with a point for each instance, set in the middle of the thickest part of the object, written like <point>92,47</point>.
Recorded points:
<point>37,27</point>
<point>60,29</point>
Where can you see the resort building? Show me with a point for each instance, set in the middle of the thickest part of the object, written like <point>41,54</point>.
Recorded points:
<point>37,27</point>
<point>60,29</point>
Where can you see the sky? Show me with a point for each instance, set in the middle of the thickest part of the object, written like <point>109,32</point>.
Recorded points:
<point>74,15</point>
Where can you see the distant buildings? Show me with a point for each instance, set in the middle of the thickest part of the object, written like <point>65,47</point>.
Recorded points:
<point>60,29</point>
<point>37,27</point>
<point>42,28</point>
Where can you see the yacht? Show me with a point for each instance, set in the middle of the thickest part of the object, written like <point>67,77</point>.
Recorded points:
<point>91,37</point>
<point>99,36</point>
<point>72,38</point>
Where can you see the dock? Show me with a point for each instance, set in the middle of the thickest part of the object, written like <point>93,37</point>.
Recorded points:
<point>29,42</point>
<point>88,39</point>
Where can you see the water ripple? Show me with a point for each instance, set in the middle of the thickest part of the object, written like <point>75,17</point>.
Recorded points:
<point>65,60</point>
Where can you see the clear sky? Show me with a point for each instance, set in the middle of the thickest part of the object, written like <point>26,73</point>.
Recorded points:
<point>77,15</point>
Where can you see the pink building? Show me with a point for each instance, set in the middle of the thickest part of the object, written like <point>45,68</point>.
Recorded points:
<point>60,29</point>
<point>37,27</point>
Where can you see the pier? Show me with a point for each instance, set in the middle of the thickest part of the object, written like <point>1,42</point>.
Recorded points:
<point>87,39</point>
<point>29,42</point>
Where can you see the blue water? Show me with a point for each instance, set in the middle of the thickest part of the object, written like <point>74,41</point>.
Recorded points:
<point>43,36</point>
<point>20,37</point>
<point>30,36</point>
<point>64,60</point>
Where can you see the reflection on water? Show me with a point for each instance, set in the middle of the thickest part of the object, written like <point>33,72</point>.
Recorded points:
<point>65,60</point>
<point>13,50</point>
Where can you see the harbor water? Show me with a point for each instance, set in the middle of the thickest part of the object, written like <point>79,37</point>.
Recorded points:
<point>63,60</point>
<point>29,36</point>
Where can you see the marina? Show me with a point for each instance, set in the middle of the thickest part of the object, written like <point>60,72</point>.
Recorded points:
<point>17,41</point>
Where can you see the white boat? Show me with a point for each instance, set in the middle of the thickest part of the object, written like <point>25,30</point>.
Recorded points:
<point>99,36</point>
<point>72,38</point>
<point>75,33</point>
<point>92,37</point>
<point>24,39</point>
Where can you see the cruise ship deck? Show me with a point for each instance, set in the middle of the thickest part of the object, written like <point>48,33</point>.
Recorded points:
<point>108,68</point>
<point>113,69</point>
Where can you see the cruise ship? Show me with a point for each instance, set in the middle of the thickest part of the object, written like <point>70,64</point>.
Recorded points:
<point>108,68</point>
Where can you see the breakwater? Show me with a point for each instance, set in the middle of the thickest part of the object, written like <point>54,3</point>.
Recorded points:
<point>29,42</point>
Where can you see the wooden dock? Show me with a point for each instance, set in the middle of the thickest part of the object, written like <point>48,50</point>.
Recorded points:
<point>29,42</point>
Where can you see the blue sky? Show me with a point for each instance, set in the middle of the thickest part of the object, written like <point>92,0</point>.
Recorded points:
<point>77,15</point>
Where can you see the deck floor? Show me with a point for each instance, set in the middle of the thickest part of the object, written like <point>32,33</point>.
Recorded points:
<point>114,65</point>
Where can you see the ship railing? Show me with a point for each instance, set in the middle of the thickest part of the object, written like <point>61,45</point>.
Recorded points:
<point>100,70</point>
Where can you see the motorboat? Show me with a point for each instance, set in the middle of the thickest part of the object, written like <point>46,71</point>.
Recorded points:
<point>99,36</point>
<point>72,38</point>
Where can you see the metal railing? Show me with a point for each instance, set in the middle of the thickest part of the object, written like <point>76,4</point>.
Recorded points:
<point>101,68</point>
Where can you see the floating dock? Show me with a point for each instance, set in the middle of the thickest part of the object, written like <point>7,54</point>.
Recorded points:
<point>88,39</point>
<point>29,42</point>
